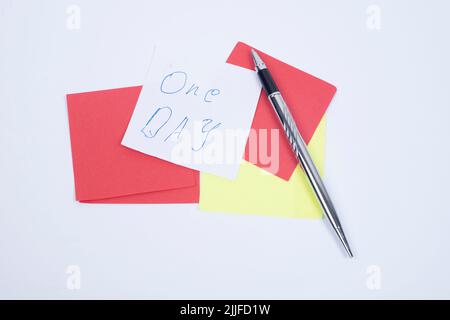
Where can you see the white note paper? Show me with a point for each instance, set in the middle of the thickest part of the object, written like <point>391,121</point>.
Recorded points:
<point>194,111</point>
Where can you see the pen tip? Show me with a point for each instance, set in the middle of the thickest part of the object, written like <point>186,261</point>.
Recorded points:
<point>350,254</point>
<point>344,242</point>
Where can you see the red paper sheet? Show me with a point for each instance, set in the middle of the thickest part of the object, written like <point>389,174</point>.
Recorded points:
<point>307,97</point>
<point>107,172</point>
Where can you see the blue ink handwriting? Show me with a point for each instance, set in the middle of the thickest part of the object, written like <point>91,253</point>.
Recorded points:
<point>176,81</point>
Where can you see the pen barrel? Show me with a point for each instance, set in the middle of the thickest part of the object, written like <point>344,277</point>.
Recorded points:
<point>267,82</point>
<point>301,151</point>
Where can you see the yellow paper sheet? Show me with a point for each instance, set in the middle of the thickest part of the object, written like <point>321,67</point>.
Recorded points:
<point>257,192</point>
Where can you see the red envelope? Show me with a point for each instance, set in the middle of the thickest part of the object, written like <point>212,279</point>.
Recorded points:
<point>107,172</point>
<point>307,97</point>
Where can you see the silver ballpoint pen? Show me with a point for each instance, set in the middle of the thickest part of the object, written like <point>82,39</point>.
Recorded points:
<point>299,147</point>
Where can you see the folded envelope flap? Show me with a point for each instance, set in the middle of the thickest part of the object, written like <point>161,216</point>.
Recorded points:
<point>103,168</point>
<point>180,195</point>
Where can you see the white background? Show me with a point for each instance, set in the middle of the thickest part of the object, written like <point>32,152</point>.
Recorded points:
<point>386,168</point>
